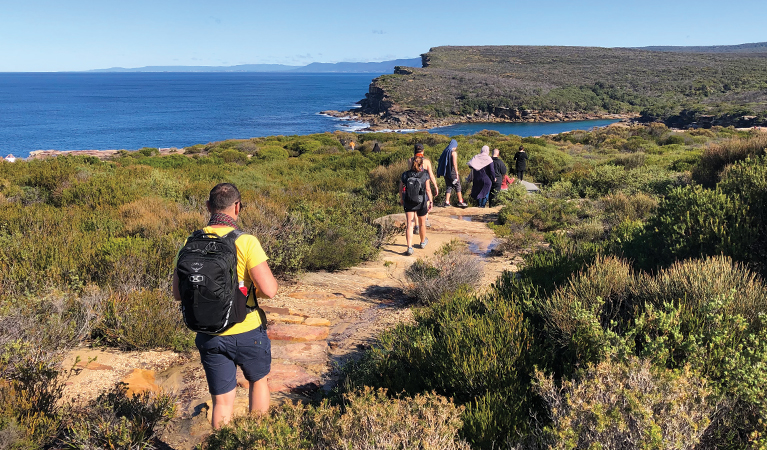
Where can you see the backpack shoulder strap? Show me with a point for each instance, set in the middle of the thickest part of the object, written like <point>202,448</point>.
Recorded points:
<point>232,236</point>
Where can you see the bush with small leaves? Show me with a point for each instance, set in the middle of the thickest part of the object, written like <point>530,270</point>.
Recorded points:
<point>116,420</point>
<point>615,405</point>
<point>367,419</point>
<point>473,349</point>
<point>451,268</point>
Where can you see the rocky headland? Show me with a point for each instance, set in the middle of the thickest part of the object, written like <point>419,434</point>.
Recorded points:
<point>553,84</point>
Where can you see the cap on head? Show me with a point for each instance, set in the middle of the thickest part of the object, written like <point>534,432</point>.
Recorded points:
<point>418,148</point>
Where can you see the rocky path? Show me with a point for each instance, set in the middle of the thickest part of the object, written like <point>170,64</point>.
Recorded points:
<point>316,324</point>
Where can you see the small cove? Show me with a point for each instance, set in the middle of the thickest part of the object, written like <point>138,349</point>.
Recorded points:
<point>523,129</point>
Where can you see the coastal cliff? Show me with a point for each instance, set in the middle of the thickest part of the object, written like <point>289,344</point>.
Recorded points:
<point>540,84</point>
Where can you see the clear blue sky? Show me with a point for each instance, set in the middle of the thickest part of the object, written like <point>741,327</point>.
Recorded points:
<point>58,35</point>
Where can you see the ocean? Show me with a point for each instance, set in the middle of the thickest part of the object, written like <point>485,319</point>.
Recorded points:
<point>103,111</point>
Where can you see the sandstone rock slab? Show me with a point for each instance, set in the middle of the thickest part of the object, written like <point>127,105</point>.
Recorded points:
<point>296,333</point>
<point>286,378</point>
<point>286,318</point>
<point>301,352</point>
<point>317,322</point>
<point>291,378</point>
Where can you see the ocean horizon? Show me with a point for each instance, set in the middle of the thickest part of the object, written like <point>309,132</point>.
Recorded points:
<point>113,111</point>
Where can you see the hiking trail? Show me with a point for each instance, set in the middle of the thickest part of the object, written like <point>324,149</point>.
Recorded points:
<point>316,324</point>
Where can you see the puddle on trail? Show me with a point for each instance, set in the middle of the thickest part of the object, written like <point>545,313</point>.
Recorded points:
<point>466,218</point>
<point>476,247</point>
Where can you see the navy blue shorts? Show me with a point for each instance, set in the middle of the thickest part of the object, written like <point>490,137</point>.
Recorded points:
<point>220,356</point>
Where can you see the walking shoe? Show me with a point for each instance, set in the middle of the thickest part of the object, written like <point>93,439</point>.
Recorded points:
<point>428,224</point>
<point>462,204</point>
<point>446,205</point>
<point>409,251</point>
<point>415,229</point>
<point>423,244</point>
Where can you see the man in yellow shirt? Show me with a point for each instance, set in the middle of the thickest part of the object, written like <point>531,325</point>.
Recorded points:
<point>245,344</point>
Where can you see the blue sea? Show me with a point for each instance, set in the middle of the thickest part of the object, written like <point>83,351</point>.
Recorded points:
<point>102,111</point>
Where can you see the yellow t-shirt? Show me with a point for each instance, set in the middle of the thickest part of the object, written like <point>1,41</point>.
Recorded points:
<point>249,255</point>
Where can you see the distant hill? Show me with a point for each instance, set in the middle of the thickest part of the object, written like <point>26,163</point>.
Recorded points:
<point>342,67</point>
<point>239,68</point>
<point>369,67</point>
<point>486,83</point>
<point>756,47</point>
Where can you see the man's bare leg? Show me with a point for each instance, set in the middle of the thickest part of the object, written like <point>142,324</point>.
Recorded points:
<point>223,407</point>
<point>259,396</point>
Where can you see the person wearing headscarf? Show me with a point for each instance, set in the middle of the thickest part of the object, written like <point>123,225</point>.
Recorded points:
<point>483,176</point>
<point>448,167</point>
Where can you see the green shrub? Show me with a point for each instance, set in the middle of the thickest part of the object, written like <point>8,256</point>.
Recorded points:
<point>233,156</point>
<point>272,153</point>
<point>31,387</point>
<point>631,160</point>
<point>515,192</point>
<point>117,421</point>
<point>283,234</point>
<point>620,207</point>
<point>627,406</point>
<point>591,230</point>
<point>693,222</point>
<point>547,269</point>
<point>343,233</point>
<point>304,145</point>
<point>747,181</point>
<point>384,181</point>
<point>592,300</point>
<point>194,149</point>
<point>547,165</point>
<point>470,348</point>
<point>707,314</point>
<point>451,268</point>
<point>718,155</point>
<point>142,320</point>
<point>367,419</point>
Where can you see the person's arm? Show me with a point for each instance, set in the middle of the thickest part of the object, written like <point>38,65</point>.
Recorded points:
<point>176,291</point>
<point>492,171</point>
<point>265,282</point>
<point>428,193</point>
<point>433,180</point>
<point>454,155</point>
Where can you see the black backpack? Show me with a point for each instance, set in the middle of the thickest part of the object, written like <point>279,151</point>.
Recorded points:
<point>211,300</point>
<point>413,188</point>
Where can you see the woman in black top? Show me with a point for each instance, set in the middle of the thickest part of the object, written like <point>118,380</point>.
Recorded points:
<point>415,196</point>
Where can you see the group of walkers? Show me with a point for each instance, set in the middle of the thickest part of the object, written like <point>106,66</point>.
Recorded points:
<point>221,272</point>
<point>489,176</point>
